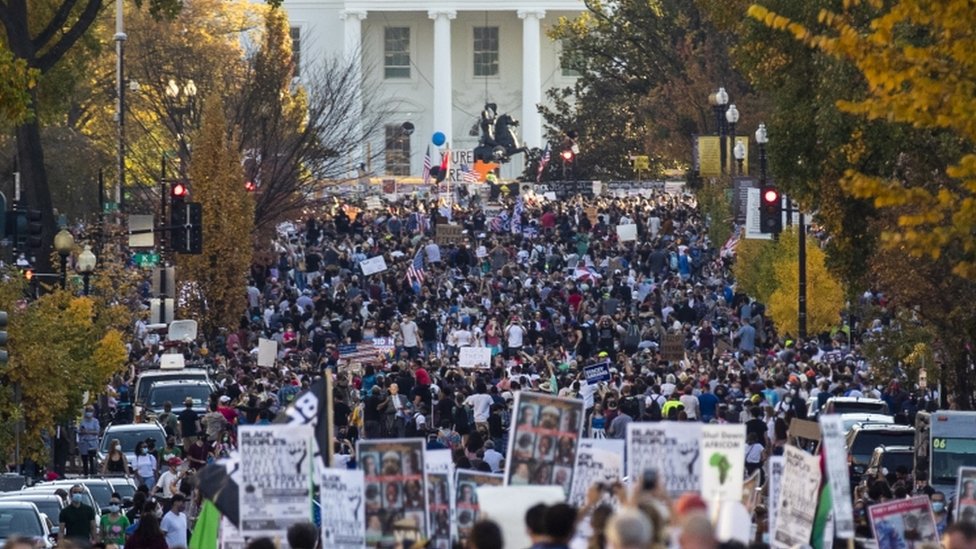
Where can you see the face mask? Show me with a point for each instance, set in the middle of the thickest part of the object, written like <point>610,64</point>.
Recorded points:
<point>938,506</point>
<point>89,414</point>
<point>158,512</point>
<point>118,447</point>
<point>77,498</point>
<point>113,509</point>
<point>145,451</point>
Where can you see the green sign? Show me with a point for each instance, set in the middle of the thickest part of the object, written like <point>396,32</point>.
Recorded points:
<point>110,207</point>
<point>146,260</point>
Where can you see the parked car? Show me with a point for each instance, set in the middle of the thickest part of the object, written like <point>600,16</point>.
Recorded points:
<point>850,420</point>
<point>852,405</point>
<point>863,438</point>
<point>101,490</point>
<point>124,487</point>
<point>176,392</point>
<point>22,518</point>
<point>48,504</point>
<point>146,380</point>
<point>889,458</point>
<point>129,435</point>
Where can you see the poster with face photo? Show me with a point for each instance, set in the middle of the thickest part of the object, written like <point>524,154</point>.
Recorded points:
<point>966,495</point>
<point>904,524</point>
<point>544,441</point>
<point>440,497</point>
<point>466,498</point>
<point>395,478</point>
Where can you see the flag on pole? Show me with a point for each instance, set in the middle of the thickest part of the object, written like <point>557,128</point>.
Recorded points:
<point>427,165</point>
<point>517,215</point>
<point>468,174</point>
<point>415,272</point>
<point>206,531</point>
<point>500,223</point>
<point>543,162</point>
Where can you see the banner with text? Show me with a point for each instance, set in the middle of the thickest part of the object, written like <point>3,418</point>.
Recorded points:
<point>600,460</point>
<point>671,449</point>
<point>797,507</point>
<point>276,486</point>
<point>723,468</point>
<point>343,509</point>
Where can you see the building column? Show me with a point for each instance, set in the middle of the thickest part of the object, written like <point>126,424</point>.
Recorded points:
<point>352,51</point>
<point>443,107</point>
<point>531,76</point>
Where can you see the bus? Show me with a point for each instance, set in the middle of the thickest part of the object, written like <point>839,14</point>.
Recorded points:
<point>944,441</point>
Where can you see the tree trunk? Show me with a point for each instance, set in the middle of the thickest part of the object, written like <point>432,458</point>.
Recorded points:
<point>35,192</point>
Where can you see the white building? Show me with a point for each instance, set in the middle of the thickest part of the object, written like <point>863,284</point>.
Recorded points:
<point>435,62</point>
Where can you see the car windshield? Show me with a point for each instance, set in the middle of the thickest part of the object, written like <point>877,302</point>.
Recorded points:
<point>47,506</point>
<point>145,385</point>
<point>893,460</point>
<point>101,492</point>
<point>125,489</point>
<point>866,441</point>
<point>858,407</point>
<point>129,439</point>
<point>159,395</point>
<point>19,522</point>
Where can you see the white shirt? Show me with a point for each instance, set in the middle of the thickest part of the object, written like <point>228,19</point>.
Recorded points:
<point>481,403</point>
<point>493,458</point>
<point>463,338</point>
<point>514,334</point>
<point>175,528</point>
<point>409,331</point>
<point>164,483</point>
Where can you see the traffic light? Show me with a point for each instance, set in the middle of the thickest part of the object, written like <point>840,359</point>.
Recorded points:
<point>178,192</point>
<point>770,210</point>
<point>250,187</point>
<point>186,227</point>
<point>195,216</point>
<point>34,229</point>
<point>4,355</point>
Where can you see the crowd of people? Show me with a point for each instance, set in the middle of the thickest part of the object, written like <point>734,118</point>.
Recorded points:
<point>549,287</point>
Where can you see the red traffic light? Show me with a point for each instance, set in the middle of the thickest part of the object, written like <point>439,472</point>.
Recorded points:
<point>29,274</point>
<point>771,196</point>
<point>567,155</point>
<point>250,187</point>
<point>179,190</point>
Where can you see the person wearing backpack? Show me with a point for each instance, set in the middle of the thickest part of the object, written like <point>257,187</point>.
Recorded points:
<point>652,405</point>
<point>632,339</point>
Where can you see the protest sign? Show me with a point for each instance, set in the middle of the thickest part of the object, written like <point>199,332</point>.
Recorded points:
<point>722,448</point>
<point>267,352</point>
<point>671,449</point>
<point>395,479</point>
<point>506,506</point>
<point>343,509</point>
<point>230,536</point>
<point>440,497</point>
<point>838,475</point>
<point>626,233</point>
<point>596,463</point>
<point>474,357</point>
<point>673,347</point>
<point>797,506</point>
<point>904,524</point>
<point>466,504</point>
<point>373,265</point>
<point>448,234</point>
<point>275,489</point>
<point>595,373</point>
<point>544,440</point>
<point>776,464</point>
<point>966,495</point>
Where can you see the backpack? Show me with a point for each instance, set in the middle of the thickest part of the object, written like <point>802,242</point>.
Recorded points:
<point>632,338</point>
<point>652,412</point>
<point>631,407</point>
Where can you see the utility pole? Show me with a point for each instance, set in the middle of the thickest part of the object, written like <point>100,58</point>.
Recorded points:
<point>802,283</point>
<point>120,38</point>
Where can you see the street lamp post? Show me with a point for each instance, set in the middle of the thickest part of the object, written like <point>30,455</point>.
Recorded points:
<point>739,151</point>
<point>732,117</point>
<point>762,139</point>
<point>63,244</point>
<point>86,266</point>
<point>719,100</point>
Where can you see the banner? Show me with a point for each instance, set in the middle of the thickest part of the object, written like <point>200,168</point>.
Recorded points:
<point>267,352</point>
<point>627,233</point>
<point>440,497</point>
<point>373,265</point>
<point>776,464</point>
<point>671,449</point>
<point>595,373</point>
<point>343,509</point>
<point>395,480</point>
<point>599,460</point>
<point>835,452</point>
<point>466,498</point>
<point>474,357</point>
<point>544,441</point>
<point>904,524</point>
<point>797,506</point>
<point>276,485</point>
<point>723,466</point>
<point>966,495</point>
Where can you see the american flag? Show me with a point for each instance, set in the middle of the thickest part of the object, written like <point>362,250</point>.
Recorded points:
<point>543,162</point>
<point>421,223</point>
<point>500,223</point>
<point>517,215</point>
<point>415,272</point>
<point>427,165</point>
<point>469,175</point>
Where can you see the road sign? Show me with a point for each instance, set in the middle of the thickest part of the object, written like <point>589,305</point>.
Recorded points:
<point>141,231</point>
<point>146,260</point>
<point>110,207</point>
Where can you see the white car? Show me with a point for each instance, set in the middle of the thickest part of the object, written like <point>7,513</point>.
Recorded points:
<point>21,518</point>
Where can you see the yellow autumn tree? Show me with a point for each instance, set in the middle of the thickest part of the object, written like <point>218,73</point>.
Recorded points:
<point>825,295</point>
<point>753,269</point>
<point>916,58</point>
<point>213,284</point>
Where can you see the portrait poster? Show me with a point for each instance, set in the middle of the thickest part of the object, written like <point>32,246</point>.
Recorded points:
<point>599,460</point>
<point>544,441</point>
<point>904,524</point>
<point>838,475</point>
<point>466,504</point>
<point>797,507</point>
<point>276,484</point>
<point>343,509</point>
<point>671,449</point>
<point>966,495</point>
<point>440,497</point>
<point>395,478</point>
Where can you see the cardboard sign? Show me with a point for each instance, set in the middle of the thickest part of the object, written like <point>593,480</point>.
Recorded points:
<point>904,523</point>
<point>966,495</point>
<point>474,357</point>
<point>448,234</point>
<point>544,441</point>
<point>276,467</point>
<point>267,352</point>
<point>343,521</point>
<point>373,265</point>
<point>835,451</point>
<point>722,448</point>
<point>797,506</point>
<point>595,373</point>
<point>395,480</point>
<point>600,460</point>
<point>627,233</point>
<point>673,347</point>
<point>671,449</point>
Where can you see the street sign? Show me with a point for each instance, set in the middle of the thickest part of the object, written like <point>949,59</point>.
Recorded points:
<point>110,207</point>
<point>146,260</point>
<point>141,231</point>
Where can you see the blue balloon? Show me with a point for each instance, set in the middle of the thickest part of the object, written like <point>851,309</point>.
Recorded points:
<point>438,138</point>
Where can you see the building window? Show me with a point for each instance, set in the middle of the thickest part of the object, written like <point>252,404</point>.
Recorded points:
<point>486,51</point>
<point>396,52</point>
<point>397,150</point>
<point>296,50</point>
<point>568,63</point>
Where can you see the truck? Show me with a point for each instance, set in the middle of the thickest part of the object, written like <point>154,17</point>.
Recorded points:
<point>944,441</point>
